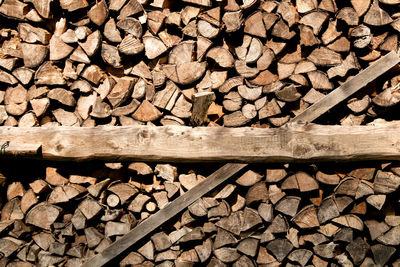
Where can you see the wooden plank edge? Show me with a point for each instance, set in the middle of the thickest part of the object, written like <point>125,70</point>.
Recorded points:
<point>162,216</point>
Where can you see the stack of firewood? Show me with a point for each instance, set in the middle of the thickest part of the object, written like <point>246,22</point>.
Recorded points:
<point>190,62</point>
<point>294,215</point>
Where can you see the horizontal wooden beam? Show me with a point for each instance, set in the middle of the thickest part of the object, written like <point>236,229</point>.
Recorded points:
<point>294,143</point>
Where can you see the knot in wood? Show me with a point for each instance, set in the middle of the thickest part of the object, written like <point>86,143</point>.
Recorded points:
<point>113,144</point>
<point>301,148</point>
<point>59,147</point>
<point>144,134</point>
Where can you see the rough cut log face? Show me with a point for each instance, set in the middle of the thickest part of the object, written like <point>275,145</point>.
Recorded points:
<point>292,50</point>
<point>263,214</point>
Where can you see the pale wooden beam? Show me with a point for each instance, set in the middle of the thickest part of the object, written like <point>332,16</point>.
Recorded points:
<point>348,88</point>
<point>295,143</point>
<point>162,216</point>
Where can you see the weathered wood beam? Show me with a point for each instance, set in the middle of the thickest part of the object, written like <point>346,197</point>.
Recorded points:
<point>155,221</point>
<point>295,143</point>
<point>348,88</point>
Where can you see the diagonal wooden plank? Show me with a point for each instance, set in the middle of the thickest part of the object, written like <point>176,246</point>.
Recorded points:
<point>348,88</point>
<point>156,220</point>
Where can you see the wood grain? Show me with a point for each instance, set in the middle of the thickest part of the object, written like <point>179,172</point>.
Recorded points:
<point>348,88</point>
<point>295,143</point>
<point>173,208</point>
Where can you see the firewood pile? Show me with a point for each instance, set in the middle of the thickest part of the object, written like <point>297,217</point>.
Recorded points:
<point>191,62</point>
<point>226,63</point>
<point>308,215</point>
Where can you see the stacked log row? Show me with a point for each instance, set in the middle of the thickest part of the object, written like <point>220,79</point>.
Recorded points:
<point>192,62</point>
<point>265,216</point>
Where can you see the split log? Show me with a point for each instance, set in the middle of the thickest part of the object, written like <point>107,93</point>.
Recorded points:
<point>362,36</point>
<point>33,54</point>
<point>377,16</point>
<point>98,13</point>
<point>233,21</point>
<point>389,97</point>
<point>73,5</point>
<point>14,9</point>
<point>48,74</point>
<point>361,6</point>
<point>252,23</point>
<point>92,43</point>
<point>186,73</point>
<point>281,30</point>
<point>201,103</point>
<point>43,216</point>
<point>325,57</point>
<point>221,56</point>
